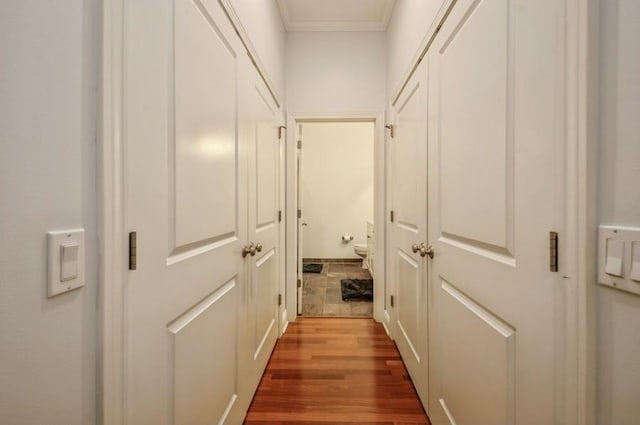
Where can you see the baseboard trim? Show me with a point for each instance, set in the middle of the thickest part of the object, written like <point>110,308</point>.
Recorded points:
<point>332,260</point>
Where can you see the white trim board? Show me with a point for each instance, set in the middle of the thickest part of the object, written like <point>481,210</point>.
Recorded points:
<point>111,219</point>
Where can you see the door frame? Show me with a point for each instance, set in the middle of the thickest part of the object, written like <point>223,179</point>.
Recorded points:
<point>293,119</point>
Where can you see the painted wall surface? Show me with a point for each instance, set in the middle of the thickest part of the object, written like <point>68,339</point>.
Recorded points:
<point>618,332</point>
<point>335,72</point>
<point>48,76</point>
<point>408,26</point>
<point>337,187</point>
<point>261,19</point>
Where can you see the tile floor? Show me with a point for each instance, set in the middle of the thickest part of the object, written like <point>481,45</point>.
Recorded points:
<point>321,295</point>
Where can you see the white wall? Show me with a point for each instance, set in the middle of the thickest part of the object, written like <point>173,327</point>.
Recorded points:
<point>618,356</point>
<point>48,75</point>
<point>408,26</point>
<point>337,186</point>
<point>335,72</point>
<point>263,24</point>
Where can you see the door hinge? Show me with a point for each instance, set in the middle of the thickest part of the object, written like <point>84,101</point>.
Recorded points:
<point>390,127</point>
<point>133,250</point>
<point>391,300</point>
<point>299,213</point>
<point>299,283</point>
<point>282,127</point>
<point>279,299</point>
<point>391,216</point>
<point>553,251</point>
<point>279,216</point>
<point>299,144</point>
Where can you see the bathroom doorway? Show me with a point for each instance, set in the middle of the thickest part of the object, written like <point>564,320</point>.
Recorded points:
<point>335,176</point>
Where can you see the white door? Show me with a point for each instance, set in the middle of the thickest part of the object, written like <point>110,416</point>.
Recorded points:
<point>495,194</point>
<point>186,197</point>
<point>300,222</point>
<point>260,128</point>
<point>408,228</point>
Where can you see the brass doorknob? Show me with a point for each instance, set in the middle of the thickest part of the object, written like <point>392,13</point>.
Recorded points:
<point>415,248</point>
<point>249,249</point>
<point>426,250</point>
<point>258,248</point>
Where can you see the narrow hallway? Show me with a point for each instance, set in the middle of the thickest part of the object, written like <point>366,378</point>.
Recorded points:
<point>336,370</point>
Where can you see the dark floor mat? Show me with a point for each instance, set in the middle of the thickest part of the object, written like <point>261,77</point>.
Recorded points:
<point>357,289</point>
<point>312,268</point>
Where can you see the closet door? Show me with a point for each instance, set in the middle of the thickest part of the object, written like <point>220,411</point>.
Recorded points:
<point>186,200</point>
<point>495,193</point>
<point>408,193</point>
<point>260,128</point>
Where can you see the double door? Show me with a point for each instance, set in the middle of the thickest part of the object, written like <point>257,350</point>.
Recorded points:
<point>202,194</point>
<point>476,185</point>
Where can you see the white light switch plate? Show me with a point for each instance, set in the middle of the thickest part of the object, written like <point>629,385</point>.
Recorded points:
<point>65,273</point>
<point>618,256</point>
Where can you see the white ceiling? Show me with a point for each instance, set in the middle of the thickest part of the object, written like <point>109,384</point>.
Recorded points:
<point>335,15</point>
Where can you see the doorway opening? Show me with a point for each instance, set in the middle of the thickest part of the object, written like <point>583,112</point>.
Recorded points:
<point>335,176</point>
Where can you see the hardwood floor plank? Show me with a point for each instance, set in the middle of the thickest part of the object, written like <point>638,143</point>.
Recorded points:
<point>336,371</point>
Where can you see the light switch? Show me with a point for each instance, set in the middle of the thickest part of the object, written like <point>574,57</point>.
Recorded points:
<point>635,261</point>
<point>68,261</point>
<point>65,262</point>
<point>619,258</point>
<point>615,254</point>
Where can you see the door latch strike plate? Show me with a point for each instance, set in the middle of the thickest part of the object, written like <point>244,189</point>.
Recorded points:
<point>133,250</point>
<point>391,300</point>
<point>553,251</point>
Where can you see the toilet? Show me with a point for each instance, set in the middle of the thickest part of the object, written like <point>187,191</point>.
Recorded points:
<point>361,250</point>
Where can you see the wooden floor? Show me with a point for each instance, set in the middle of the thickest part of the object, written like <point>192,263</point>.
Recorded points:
<point>336,371</point>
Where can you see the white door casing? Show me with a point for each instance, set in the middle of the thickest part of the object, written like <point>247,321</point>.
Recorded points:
<point>495,192</point>
<point>408,201</point>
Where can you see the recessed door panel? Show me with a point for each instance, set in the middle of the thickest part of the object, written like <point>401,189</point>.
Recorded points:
<point>205,129</point>
<point>478,353</point>
<point>204,370</point>
<point>406,159</point>
<point>474,106</point>
<point>409,306</point>
<point>265,303</point>
<point>267,161</point>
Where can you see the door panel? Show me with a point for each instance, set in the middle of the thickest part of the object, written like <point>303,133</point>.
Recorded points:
<point>467,328</point>
<point>408,306</point>
<point>465,118</point>
<point>200,319</point>
<point>205,391</point>
<point>260,125</point>
<point>408,196</point>
<point>495,142</point>
<point>205,118</point>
